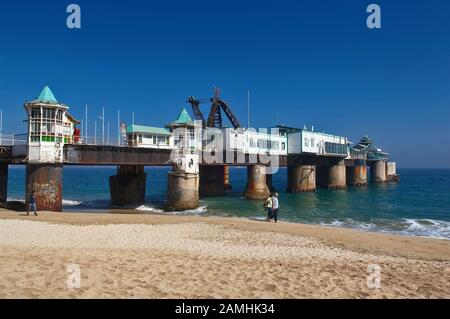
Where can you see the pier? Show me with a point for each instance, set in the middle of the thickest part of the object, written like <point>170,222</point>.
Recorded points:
<point>200,152</point>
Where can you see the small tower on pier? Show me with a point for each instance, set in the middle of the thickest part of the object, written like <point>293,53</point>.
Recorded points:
<point>50,126</point>
<point>183,181</point>
<point>186,143</point>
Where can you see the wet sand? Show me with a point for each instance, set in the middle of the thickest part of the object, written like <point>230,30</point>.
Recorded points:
<point>159,256</point>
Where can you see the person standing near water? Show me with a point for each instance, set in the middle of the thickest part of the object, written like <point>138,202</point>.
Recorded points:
<point>275,207</point>
<point>268,207</point>
<point>32,203</point>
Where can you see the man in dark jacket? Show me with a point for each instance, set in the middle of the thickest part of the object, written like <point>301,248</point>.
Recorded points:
<point>32,203</point>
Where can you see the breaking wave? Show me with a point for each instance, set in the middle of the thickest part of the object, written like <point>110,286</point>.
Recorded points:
<point>406,227</point>
<point>159,210</point>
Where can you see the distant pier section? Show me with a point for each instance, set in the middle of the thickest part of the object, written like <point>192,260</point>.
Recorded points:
<point>200,152</point>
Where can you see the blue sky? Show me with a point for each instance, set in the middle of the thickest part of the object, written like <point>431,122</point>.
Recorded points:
<point>314,61</point>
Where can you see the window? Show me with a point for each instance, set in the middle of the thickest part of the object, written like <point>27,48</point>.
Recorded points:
<point>306,142</point>
<point>154,139</point>
<point>36,113</point>
<point>36,128</point>
<point>283,146</point>
<point>48,113</point>
<point>161,139</point>
<point>140,138</point>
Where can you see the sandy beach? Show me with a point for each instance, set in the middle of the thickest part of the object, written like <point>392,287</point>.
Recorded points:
<point>158,256</point>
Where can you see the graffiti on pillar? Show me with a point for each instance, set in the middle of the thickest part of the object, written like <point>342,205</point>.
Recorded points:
<point>47,193</point>
<point>58,152</point>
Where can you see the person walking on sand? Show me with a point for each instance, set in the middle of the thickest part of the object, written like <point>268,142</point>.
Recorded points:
<point>275,207</point>
<point>32,203</point>
<point>268,207</point>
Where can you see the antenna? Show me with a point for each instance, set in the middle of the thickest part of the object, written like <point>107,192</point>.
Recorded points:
<point>107,135</point>
<point>86,120</point>
<point>216,93</point>
<point>118,127</point>
<point>248,109</point>
<point>132,123</point>
<point>277,117</point>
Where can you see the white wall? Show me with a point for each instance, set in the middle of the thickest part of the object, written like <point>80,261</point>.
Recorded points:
<point>312,142</point>
<point>391,168</point>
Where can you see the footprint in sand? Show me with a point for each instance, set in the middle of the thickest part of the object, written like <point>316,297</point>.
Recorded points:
<point>270,287</point>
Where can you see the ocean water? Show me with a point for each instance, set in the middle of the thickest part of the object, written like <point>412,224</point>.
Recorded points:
<point>417,206</point>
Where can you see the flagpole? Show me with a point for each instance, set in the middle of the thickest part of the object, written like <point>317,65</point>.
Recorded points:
<point>107,135</point>
<point>248,109</point>
<point>86,120</point>
<point>133,127</point>
<point>103,126</point>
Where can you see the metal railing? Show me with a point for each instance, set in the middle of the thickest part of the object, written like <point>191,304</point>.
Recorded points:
<point>13,139</point>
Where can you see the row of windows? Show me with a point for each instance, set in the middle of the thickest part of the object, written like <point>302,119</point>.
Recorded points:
<point>47,113</point>
<point>334,148</point>
<point>49,139</point>
<point>150,139</point>
<point>267,144</point>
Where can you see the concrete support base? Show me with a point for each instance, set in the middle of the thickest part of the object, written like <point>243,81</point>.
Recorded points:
<point>337,176</point>
<point>212,180</point>
<point>378,172</point>
<point>46,181</point>
<point>128,186</point>
<point>332,177</point>
<point>3,183</point>
<point>393,178</point>
<point>256,183</point>
<point>226,177</point>
<point>182,191</point>
<point>357,175</point>
<point>301,178</point>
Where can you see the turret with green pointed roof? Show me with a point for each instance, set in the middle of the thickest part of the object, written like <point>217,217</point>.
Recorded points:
<point>46,96</point>
<point>183,120</point>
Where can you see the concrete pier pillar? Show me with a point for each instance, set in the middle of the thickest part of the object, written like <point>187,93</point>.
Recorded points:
<point>391,172</point>
<point>3,182</point>
<point>212,180</point>
<point>46,181</point>
<point>301,178</point>
<point>182,191</point>
<point>256,183</point>
<point>226,177</point>
<point>128,186</point>
<point>337,176</point>
<point>378,172</point>
<point>357,174</point>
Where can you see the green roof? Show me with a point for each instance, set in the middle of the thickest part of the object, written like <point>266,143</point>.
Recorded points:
<point>147,129</point>
<point>183,118</point>
<point>46,96</point>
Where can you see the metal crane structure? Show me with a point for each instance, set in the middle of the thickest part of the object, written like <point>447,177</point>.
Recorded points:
<point>215,113</point>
